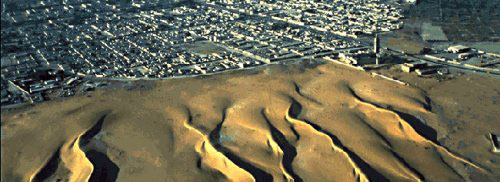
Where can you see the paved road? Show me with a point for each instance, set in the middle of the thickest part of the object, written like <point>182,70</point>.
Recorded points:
<point>453,66</point>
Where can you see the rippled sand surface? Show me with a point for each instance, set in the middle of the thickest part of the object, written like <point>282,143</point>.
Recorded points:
<point>276,123</point>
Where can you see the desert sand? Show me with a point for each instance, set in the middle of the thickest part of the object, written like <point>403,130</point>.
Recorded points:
<point>296,122</point>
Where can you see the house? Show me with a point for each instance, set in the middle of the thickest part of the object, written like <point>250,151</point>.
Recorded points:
<point>466,55</point>
<point>356,58</point>
<point>37,97</point>
<point>409,67</point>
<point>425,71</point>
<point>458,49</point>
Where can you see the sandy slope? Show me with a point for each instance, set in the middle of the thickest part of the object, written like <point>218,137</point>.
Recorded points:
<point>276,123</point>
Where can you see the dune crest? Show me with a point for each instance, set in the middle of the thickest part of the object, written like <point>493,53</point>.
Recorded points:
<point>74,159</point>
<point>217,161</point>
<point>338,154</point>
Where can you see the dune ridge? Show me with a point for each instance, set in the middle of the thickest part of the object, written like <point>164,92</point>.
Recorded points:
<point>72,161</point>
<point>75,160</point>
<point>291,116</point>
<point>413,133</point>
<point>215,160</point>
<point>71,157</point>
<point>281,123</point>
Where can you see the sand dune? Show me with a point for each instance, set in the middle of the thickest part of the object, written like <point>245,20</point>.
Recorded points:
<point>297,122</point>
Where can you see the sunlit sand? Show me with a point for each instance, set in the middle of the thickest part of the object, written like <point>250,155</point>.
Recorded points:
<point>276,123</point>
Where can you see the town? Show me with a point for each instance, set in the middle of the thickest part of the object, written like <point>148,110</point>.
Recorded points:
<point>60,48</point>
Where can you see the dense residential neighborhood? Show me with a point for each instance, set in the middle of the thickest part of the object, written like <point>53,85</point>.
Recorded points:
<point>56,46</point>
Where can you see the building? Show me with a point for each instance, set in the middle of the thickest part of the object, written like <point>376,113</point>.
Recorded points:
<point>425,71</point>
<point>410,67</point>
<point>458,49</point>
<point>412,1</point>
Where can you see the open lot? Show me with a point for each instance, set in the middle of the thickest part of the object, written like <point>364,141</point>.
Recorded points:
<point>205,48</point>
<point>462,20</point>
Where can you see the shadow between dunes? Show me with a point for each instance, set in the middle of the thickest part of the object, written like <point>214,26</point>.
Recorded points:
<point>419,127</point>
<point>427,132</point>
<point>258,174</point>
<point>50,167</point>
<point>289,151</point>
<point>405,164</point>
<point>104,169</point>
<point>298,90</point>
<point>371,174</point>
<point>93,131</point>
